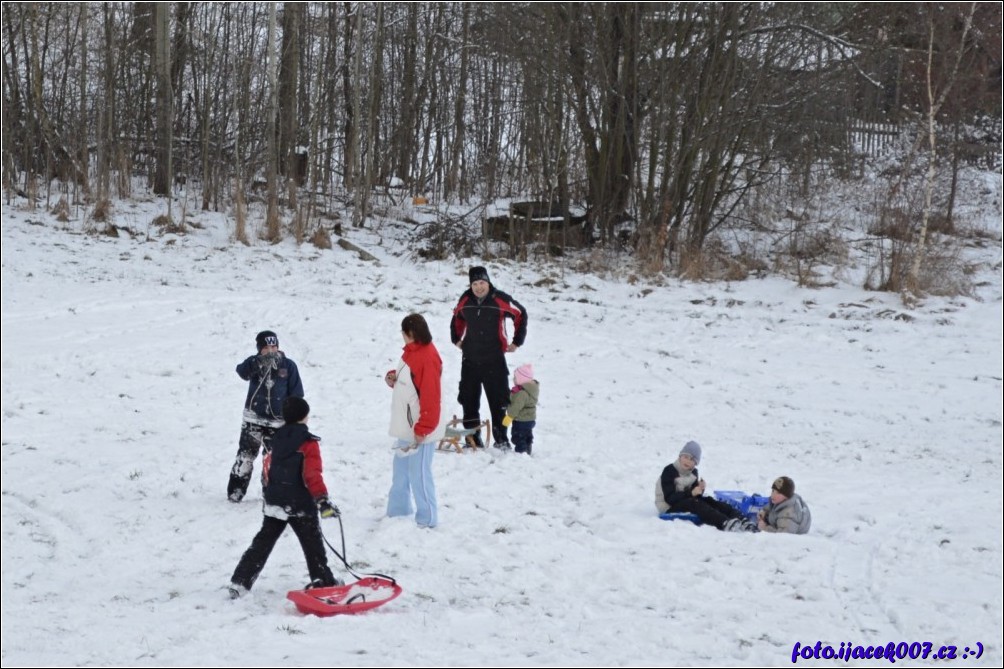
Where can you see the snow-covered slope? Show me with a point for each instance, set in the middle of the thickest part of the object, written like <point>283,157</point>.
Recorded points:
<point>121,412</point>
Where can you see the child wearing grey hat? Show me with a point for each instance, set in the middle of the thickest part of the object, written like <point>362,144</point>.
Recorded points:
<point>680,489</point>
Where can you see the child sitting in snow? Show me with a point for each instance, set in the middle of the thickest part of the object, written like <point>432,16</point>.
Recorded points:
<point>786,511</point>
<point>522,411</point>
<point>680,489</point>
<point>294,495</point>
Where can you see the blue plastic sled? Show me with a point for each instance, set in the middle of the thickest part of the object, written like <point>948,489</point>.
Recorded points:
<point>748,505</point>
<point>692,517</point>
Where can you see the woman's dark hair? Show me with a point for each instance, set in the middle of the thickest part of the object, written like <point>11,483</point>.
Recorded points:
<point>415,327</point>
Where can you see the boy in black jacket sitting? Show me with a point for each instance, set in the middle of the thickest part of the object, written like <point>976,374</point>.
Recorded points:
<point>295,495</point>
<point>680,489</point>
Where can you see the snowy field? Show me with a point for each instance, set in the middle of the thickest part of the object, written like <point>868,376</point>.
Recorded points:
<point>121,412</point>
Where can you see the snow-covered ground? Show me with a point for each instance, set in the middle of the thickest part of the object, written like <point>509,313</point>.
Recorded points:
<point>121,412</point>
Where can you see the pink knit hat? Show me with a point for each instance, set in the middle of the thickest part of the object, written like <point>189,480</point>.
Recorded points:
<point>523,374</point>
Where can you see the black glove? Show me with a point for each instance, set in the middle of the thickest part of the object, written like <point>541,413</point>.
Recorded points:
<point>326,508</point>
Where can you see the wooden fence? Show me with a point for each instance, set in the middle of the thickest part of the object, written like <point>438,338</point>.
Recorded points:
<point>871,138</point>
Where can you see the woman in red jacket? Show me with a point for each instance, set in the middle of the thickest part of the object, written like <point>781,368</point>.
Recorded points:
<point>415,422</point>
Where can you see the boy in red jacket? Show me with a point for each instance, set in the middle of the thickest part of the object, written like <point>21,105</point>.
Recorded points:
<point>295,495</point>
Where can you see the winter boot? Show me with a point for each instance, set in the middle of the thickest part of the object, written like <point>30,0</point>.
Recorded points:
<point>236,590</point>
<point>733,525</point>
<point>321,583</point>
<point>474,440</point>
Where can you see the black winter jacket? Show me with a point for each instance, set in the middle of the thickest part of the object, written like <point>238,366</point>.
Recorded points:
<point>668,482</point>
<point>481,324</point>
<point>292,470</point>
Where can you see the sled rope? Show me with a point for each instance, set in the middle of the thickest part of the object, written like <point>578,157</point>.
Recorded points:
<point>341,556</point>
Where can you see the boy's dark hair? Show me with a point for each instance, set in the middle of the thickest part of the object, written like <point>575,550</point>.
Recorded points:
<point>415,327</point>
<point>295,409</point>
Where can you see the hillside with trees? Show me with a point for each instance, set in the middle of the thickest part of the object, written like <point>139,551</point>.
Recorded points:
<point>665,131</point>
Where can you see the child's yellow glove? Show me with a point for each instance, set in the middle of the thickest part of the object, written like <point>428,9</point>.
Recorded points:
<point>506,420</point>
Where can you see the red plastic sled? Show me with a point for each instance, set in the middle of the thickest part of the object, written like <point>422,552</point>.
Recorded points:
<point>363,595</point>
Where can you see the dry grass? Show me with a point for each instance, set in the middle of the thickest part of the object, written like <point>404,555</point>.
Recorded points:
<point>168,226</point>
<point>62,210</point>
<point>101,211</point>
<point>321,238</point>
<point>716,262</point>
<point>944,271</point>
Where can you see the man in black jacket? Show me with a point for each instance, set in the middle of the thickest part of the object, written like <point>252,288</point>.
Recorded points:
<point>478,329</point>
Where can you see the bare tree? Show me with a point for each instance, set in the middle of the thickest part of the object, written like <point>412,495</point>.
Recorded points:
<point>603,47</point>
<point>935,101</point>
<point>403,144</point>
<point>454,176</point>
<point>273,232</point>
<point>163,179</point>
<point>662,119</point>
<point>289,74</point>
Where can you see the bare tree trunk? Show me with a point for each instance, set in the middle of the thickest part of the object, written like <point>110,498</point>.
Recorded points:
<point>105,112</point>
<point>83,153</point>
<point>209,71</point>
<point>433,54</point>
<point>954,187</point>
<point>11,103</point>
<point>934,106</point>
<point>163,179</point>
<point>403,146</point>
<point>355,168</point>
<point>373,119</point>
<point>609,133</point>
<point>351,74</point>
<point>289,71</point>
<point>292,23</point>
<point>272,208</point>
<point>328,72</point>
<point>454,169</point>
<point>35,111</point>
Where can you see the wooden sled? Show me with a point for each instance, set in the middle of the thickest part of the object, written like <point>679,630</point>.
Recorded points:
<point>458,437</point>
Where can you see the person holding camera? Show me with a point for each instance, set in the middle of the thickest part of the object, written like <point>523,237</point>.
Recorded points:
<point>271,377</point>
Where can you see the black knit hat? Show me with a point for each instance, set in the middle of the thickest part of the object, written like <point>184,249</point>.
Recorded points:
<point>784,485</point>
<point>295,409</point>
<point>266,338</point>
<point>478,274</point>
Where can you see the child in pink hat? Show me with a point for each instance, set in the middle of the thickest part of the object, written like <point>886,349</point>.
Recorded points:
<point>521,413</point>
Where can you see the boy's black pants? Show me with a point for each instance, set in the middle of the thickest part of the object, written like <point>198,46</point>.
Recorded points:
<point>708,509</point>
<point>308,531</point>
